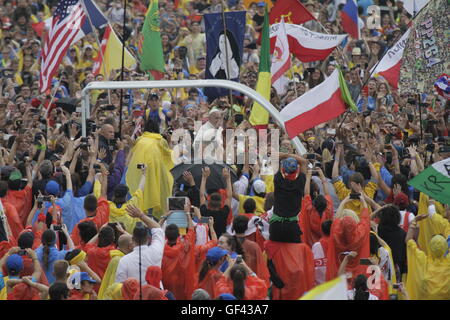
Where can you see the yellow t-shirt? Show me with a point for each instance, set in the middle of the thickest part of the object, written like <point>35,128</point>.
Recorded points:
<point>259,204</point>
<point>342,192</point>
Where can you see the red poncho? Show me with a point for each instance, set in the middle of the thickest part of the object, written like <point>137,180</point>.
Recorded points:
<point>294,263</point>
<point>21,200</point>
<point>255,288</point>
<point>310,221</point>
<point>150,292</point>
<point>209,281</point>
<point>255,260</point>
<point>378,288</point>
<point>130,288</point>
<point>178,266</point>
<point>22,291</point>
<point>101,217</point>
<point>200,253</point>
<point>348,235</point>
<point>98,258</point>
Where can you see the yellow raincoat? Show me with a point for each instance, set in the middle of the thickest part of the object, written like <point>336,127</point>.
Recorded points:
<point>117,214</point>
<point>3,292</point>
<point>428,275</point>
<point>113,292</point>
<point>435,224</point>
<point>110,275</point>
<point>342,191</point>
<point>152,150</point>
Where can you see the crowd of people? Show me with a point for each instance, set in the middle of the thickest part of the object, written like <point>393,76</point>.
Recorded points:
<point>86,218</point>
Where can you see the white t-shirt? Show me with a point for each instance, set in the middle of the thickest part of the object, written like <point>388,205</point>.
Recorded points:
<point>402,219</point>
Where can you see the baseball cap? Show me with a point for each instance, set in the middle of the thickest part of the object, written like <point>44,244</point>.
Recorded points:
<point>14,263</point>
<point>290,165</point>
<point>226,296</point>
<point>15,175</point>
<point>259,186</point>
<point>84,276</point>
<point>261,4</point>
<point>214,254</point>
<point>356,51</point>
<point>52,187</point>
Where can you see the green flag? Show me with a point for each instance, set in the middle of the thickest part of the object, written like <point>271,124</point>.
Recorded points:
<point>150,46</point>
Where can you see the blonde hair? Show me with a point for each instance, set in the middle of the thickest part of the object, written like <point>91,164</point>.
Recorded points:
<point>347,213</point>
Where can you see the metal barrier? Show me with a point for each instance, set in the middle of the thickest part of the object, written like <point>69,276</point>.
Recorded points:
<point>104,85</point>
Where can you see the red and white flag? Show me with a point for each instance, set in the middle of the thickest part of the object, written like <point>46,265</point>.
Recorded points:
<point>389,66</point>
<point>307,45</point>
<point>99,59</point>
<point>281,61</point>
<point>322,103</point>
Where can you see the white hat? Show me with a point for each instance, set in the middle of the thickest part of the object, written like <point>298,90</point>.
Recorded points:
<point>259,186</point>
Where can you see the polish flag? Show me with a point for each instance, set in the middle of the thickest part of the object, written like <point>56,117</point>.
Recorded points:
<point>281,61</point>
<point>389,66</point>
<point>307,45</point>
<point>322,103</point>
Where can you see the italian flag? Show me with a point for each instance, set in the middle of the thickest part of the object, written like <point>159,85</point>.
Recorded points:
<point>324,102</point>
<point>259,116</point>
<point>434,181</point>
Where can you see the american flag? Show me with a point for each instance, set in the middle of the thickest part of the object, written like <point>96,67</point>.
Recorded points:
<point>64,31</point>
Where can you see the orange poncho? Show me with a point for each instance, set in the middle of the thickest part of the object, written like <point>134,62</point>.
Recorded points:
<point>209,281</point>
<point>21,200</point>
<point>98,258</point>
<point>178,265</point>
<point>255,260</point>
<point>22,291</point>
<point>255,288</point>
<point>348,235</point>
<point>310,221</point>
<point>294,263</point>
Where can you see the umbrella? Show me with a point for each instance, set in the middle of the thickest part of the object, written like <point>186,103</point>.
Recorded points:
<point>215,180</point>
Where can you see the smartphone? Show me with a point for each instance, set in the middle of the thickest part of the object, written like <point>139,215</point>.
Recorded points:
<point>22,252</point>
<point>140,166</point>
<point>395,286</point>
<point>176,203</point>
<point>365,262</point>
<point>239,259</point>
<point>331,131</point>
<point>311,156</point>
<point>204,220</point>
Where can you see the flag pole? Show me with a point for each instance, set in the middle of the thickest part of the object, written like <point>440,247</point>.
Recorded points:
<point>226,50</point>
<point>121,72</point>
<point>98,42</point>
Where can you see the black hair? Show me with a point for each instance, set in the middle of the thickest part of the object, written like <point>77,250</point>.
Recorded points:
<point>140,234</point>
<point>326,227</point>
<point>328,169</point>
<point>3,188</point>
<point>270,200</point>
<point>26,240</point>
<point>238,275</point>
<point>90,203</point>
<point>390,216</point>
<point>374,244</point>
<point>14,184</point>
<point>58,291</point>
<point>106,237</point>
<point>172,232</point>
<point>402,180</point>
<point>151,126</point>
<point>234,243</point>
<point>87,230</point>
<point>215,201</point>
<point>320,204</point>
<point>48,238</point>
<point>240,224</point>
<point>249,206</point>
<point>206,266</point>
<point>360,285</point>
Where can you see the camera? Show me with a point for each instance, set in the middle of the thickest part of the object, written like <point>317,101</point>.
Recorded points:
<point>355,196</point>
<point>22,252</point>
<point>140,166</point>
<point>44,198</point>
<point>57,227</point>
<point>239,259</point>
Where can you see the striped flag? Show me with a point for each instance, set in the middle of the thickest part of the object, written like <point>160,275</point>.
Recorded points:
<point>109,59</point>
<point>389,66</point>
<point>306,45</point>
<point>322,103</point>
<point>349,15</point>
<point>259,116</point>
<point>434,181</point>
<point>281,59</point>
<point>70,23</point>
